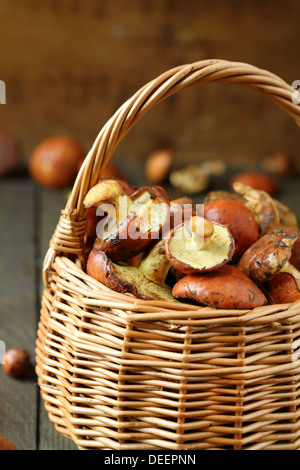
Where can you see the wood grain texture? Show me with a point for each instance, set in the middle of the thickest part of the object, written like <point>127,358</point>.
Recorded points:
<point>68,65</point>
<point>47,210</point>
<point>28,215</point>
<point>18,316</point>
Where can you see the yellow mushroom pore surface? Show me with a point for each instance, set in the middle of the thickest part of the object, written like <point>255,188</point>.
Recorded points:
<point>184,247</point>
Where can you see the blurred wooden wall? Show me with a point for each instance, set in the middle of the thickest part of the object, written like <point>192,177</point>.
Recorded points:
<point>69,64</point>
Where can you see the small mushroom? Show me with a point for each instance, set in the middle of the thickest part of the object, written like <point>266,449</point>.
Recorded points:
<point>54,162</point>
<point>199,246</point>
<point>158,165</point>
<point>215,167</point>
<point>190,180</point>
<point>269,255</point>
<point>125,279</point>
<point>256,180</point>
<point>225,287</point>
<point>16,362</point>
<point>239,220</point>
<point>262,205</point>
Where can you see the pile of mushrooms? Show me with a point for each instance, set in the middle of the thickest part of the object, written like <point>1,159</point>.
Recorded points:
<point>235,251</point>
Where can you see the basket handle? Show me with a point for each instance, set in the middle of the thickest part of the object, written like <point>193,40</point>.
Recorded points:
<point>161,88</point>
<point>167,84</point>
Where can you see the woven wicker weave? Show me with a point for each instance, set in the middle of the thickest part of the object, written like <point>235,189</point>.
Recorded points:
<point>120,373</point>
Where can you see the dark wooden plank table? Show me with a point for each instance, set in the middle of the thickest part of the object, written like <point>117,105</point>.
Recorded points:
<point>28,216</point>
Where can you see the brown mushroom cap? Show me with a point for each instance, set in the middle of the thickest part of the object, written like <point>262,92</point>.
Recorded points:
<point>283,288</point>
<point>188,256</point>
<point>225,287</point>
<point>257,180</point>
<point>125,279</point>
<point>239,220</point>
<point>268,255</point>
<point>158,165</point>
<point>147,218</point>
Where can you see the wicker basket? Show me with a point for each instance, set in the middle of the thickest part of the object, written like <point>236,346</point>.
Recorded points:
<point>119,373</point>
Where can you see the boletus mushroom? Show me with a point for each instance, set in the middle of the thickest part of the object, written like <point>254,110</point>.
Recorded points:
<point>225,287</point>
<point>257,180</point>
<point>237,218</point>
<point>125,279</point>
<point>133,223</point>
<point>110,196</point>
<point>97,196</point>
<point>158,165</point>
<point>269,255</point>
<point>199,245</point>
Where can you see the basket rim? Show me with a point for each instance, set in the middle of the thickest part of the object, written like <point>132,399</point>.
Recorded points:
<point>93,294</point>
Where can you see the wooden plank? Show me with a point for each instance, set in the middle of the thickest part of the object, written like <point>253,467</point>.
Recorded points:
<point>48,206</point>
<point>18,397</point>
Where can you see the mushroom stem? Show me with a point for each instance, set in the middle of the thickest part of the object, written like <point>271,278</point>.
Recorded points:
<point>201,231</point>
